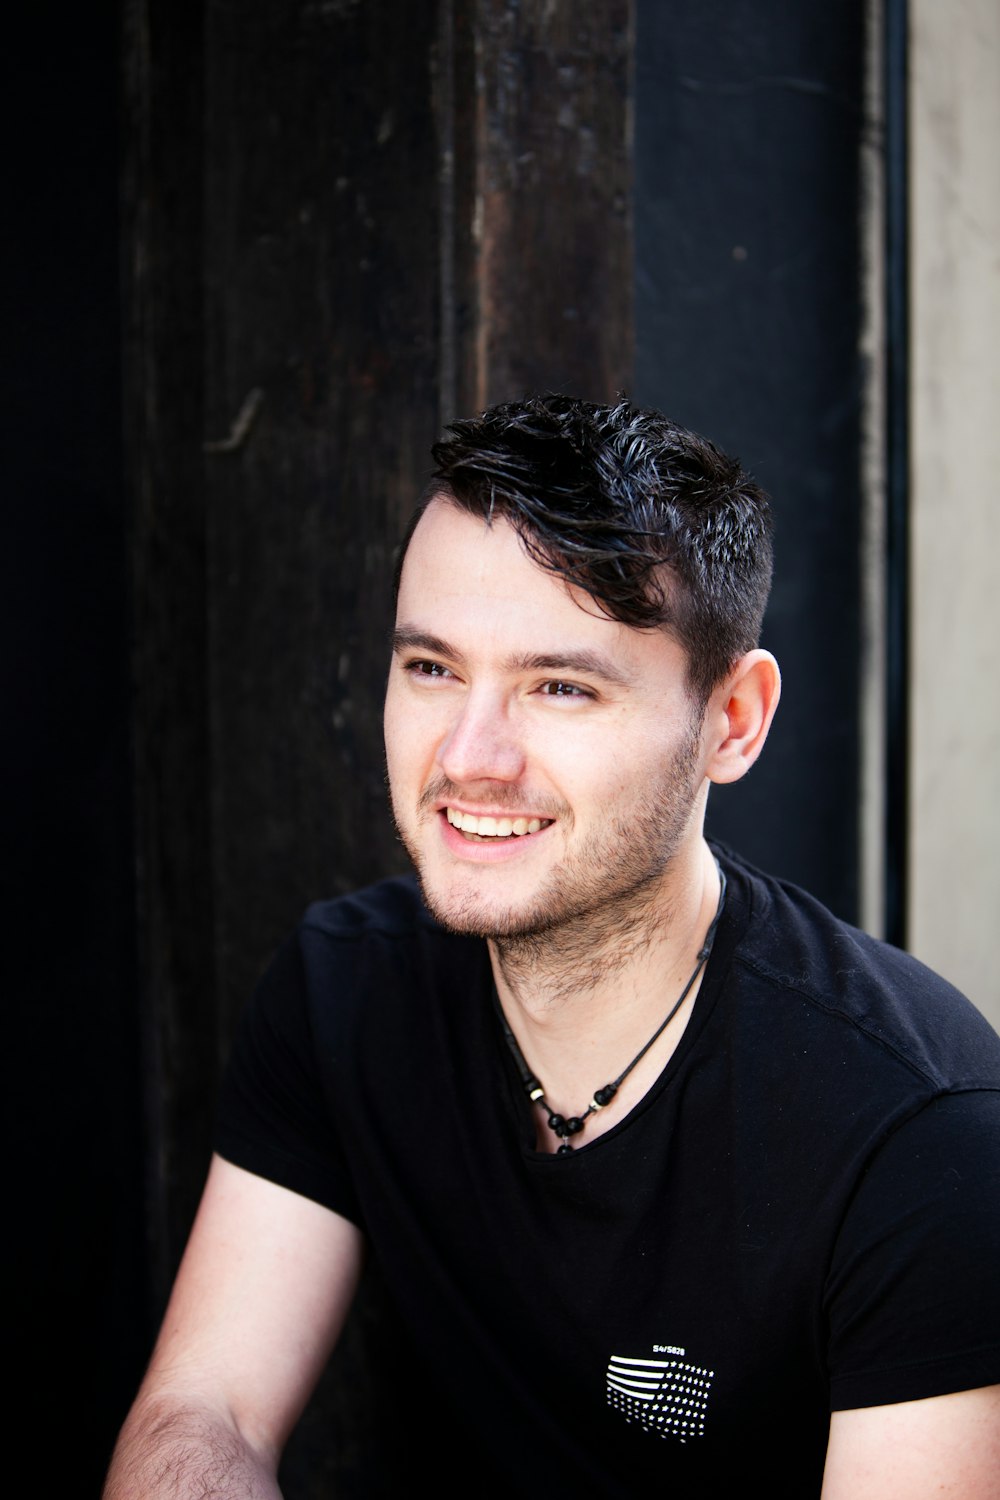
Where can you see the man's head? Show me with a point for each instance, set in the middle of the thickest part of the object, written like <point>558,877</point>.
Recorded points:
<point>654,523</point>
<point>573,663</point>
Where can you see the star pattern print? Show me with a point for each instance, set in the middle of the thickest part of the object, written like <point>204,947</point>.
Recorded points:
<point>668,1397</point>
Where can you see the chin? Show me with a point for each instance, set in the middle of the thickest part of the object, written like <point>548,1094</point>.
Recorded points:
<point>555,907</point>
<point>476,915</point>
<point>459,902</point>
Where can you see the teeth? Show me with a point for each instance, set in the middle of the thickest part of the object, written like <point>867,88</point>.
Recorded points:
<point>495,828</point>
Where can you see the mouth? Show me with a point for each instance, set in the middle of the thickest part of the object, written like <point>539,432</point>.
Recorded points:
<point>489,828</point>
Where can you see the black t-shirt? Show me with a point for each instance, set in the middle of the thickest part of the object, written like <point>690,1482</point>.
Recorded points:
<point>801,1215</point>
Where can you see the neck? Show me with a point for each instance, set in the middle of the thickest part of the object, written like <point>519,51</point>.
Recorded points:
<point>616,948</point>
<point>582,1000</point>
<point>587,955</point>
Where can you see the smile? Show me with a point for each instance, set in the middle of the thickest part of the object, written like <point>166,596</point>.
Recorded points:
<point>494,828</point>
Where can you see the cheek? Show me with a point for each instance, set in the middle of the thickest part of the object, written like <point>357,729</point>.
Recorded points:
<point>582,768</point>
<point>411,730</point>
<point>394,732</point>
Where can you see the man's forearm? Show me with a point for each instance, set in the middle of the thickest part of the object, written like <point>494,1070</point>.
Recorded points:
<point>173,1450</point>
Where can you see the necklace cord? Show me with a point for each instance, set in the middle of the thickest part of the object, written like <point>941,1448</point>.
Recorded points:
<point>559,1124</point>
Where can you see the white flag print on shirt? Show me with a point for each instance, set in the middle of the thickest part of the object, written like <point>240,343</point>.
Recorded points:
<point>666,1396</point>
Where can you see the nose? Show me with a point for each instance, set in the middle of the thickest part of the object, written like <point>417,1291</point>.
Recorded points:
<point>482,744</point>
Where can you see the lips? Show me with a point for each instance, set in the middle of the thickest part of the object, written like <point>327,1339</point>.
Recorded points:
<point>494,828</point>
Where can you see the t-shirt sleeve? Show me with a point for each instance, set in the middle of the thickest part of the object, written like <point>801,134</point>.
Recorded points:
<point>274,1117</point>
<point>914,1291</point>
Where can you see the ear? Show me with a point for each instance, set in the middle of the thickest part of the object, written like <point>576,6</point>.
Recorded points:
<point>739,716</point>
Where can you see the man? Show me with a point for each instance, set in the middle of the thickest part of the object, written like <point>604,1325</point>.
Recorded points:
<point>674,1180</point>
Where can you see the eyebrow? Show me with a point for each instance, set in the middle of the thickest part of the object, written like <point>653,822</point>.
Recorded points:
<point>589,663</point>
<point>405,639</point>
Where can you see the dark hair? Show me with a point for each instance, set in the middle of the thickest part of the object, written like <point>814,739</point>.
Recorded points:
<point>655,523</point>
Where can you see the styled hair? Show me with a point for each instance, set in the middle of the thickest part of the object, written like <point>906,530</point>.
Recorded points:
<point>656,524</point>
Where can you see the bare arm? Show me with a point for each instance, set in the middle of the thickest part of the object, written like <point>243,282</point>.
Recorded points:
<point>947,1445</point>
<point>260,1298</point>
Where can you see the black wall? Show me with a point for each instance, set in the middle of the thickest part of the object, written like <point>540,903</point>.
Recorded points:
<point>749,128</point>
<point>77,1287</point>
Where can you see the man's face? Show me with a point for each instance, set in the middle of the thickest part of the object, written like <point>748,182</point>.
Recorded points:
<point>543,760</point>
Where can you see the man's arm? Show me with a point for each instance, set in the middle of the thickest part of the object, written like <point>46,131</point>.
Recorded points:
<point>946,1445</point>
<point>259,1300</point>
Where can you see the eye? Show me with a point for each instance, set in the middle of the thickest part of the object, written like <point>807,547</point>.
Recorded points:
<point>422,668</point>
<point>559,689</point>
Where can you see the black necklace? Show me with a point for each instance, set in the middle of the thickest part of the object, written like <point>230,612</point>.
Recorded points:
<point>558,1124</point>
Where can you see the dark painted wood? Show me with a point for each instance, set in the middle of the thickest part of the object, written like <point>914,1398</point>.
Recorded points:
<point>321,262</point>
<point>545,201</point>
<point>163,424</point>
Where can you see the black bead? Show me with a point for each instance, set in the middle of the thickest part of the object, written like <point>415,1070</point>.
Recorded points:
<point>558,1124</point>
<point>565,1149</point>
<point>605,1095</point>
<point>574,1125</point>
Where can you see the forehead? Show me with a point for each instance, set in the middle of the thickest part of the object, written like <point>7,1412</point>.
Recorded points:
<point>472,583</point>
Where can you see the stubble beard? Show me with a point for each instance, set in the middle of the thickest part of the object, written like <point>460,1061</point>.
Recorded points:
<point>601,904</point>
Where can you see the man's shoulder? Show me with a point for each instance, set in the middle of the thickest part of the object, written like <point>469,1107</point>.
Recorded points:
<point>794,947</point>
<point>389,919</point>
<point>393,907</point>
<point>372,950</point>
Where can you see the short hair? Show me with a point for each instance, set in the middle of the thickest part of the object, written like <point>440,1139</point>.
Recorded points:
<point>656,524</point>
